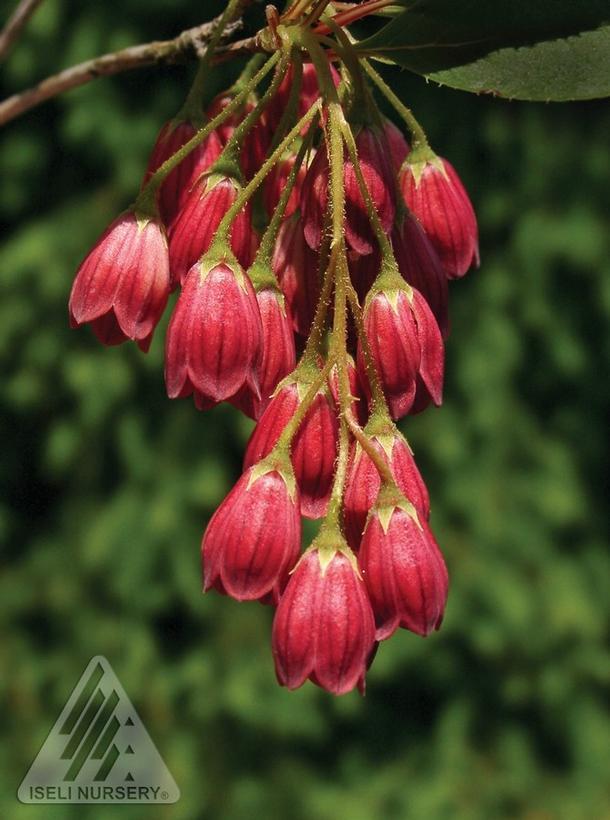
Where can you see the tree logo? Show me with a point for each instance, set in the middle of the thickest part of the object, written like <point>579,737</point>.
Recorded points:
<point>98,751</point>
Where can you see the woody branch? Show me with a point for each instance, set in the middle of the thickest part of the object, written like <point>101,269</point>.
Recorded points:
<point>15,24</point>
<point>189,45</point>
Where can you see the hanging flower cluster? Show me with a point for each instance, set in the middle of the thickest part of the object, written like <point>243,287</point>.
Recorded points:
<point>324,323</point>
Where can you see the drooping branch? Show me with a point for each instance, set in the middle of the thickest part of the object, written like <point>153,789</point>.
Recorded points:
<point>188,45</point>
<point>15,24</point>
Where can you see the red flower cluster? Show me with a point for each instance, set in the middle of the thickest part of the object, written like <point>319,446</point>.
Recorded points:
<point>237,324</point>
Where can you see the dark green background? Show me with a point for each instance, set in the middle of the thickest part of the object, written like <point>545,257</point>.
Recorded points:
<point>106,484</point>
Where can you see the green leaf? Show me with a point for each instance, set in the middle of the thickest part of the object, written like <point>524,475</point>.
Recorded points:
<point>548,50</point>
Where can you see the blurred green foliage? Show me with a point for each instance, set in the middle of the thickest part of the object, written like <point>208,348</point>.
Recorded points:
<point>106,485</point>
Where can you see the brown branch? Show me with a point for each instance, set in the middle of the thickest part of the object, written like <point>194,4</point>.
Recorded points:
<point>15,24</point>
<point>249,45</point>
<point>188,45</point>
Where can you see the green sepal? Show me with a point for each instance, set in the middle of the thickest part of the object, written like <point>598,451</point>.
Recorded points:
<point>189,113</point>
<point>303,376</point>
<point>387,443</point>
<point>227,166</point>
<point>142,220</point>
<point>391,499</point>
<point>278,462</point>
<point>419,158</point>
<point>381,427</point>
<point>214,178</point>
<point>145,208</point>
<point>221,254</point>
<point>385,440</point>
<point>262,276</point>
<point>390,283</point>
<point>329,542</point>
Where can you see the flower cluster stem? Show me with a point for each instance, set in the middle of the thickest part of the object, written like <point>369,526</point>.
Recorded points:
<point>361,105</point>
<point>252,66</point>
<point>339,354</point>
<point>338,264</point>
<point>315,339</point>
<point>420,140</point>
<point>379,405</point>
<point>338,132</point>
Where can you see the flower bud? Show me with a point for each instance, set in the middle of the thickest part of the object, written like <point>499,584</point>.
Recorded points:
<point>399,147</point>
<point>256,142</point>
<point>379,176</point>
<point>406,346</point>
<point>254,537</point>
<point>226,129</point>
<point>194,227</point>
<point>278,352</point>
<point>435,194</point>
<point>421,267</point>
<point>177,185</point>
<point>296,268</point>
<point>255,147</point>
<point>276,182</point>
<point>323,627</point>
<point>364,482</point>
<point>429,387</point>
<point>403,570</point>
<point>122,286</point>
<point>214,335</point>
<point>255,241</point>
<point>314,446</point>
<point>363,271</point>
<point>309,94</point>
